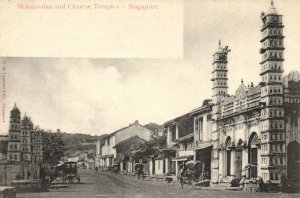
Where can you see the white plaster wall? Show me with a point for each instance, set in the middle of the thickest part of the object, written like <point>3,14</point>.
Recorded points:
<point>209,135</point>
<point>240,134</point>
<point>103,150</point>
<point>150,167</point>
<point>205,132</point>
<point>221,168</point>
<point>134,129</point>
<point>159,167</point>
<point>98,151</point>
<point>167,164</point>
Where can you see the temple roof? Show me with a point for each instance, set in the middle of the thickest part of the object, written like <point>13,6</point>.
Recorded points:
<point>241,92</point>
<point>26,121</point>
<point>15,108</point>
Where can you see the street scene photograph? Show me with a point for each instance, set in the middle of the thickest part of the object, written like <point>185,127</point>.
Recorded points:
<point>160,99</point>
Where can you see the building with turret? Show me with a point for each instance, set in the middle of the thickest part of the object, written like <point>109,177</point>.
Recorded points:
<point>24,154</point>
<point>253,133</point>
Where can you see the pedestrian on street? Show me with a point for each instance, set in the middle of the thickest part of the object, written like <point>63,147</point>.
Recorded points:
<point>181,175</point>
<point>139,171</point>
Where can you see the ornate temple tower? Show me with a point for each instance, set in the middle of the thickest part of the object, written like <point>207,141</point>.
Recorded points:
<point>219,88</point>
<point>37,138</point>
<point>14,143</point>
<point>272,110</point>
<point>26,129</point>
<point>219,72</point>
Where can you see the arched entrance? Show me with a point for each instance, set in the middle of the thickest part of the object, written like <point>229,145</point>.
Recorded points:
<point>252,155</point>
<point>293,162</point>
<point>228,156</point>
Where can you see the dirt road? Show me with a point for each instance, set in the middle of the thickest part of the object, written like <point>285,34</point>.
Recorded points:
<point>105,184</point>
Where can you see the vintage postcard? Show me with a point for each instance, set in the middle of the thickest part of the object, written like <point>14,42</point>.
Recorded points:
<point>149,98</point>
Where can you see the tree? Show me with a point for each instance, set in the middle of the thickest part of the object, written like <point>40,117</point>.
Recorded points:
<point>53,148</point>
<point>152,147</point>
<point>152,127</point>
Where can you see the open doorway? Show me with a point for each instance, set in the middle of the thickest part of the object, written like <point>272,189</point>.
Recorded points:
<point>228,151</point>
<point>252,155</point>
<point>204,155</point>
<point>293,162</point>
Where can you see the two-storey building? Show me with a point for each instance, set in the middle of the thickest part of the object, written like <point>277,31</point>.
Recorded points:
<point>180,138</point>
<point>108,151</point>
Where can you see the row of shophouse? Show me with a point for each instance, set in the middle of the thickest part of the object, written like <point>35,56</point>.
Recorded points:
<point>253,133</point>
<point>118,147</point>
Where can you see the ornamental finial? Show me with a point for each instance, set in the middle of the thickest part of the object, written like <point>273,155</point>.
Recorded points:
<point>272,3</point>
<point>219,43</point>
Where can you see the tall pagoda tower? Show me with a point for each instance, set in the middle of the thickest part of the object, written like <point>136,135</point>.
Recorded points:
<point>26,129</point>
<point>272,112</point>
<point>219,72</point>
<point>219,88</point>
<point>14,143</point>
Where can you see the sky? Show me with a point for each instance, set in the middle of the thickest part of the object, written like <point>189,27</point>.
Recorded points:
<point>98,96</point>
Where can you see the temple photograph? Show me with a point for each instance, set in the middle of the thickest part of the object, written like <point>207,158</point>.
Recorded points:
<point>216,114</point>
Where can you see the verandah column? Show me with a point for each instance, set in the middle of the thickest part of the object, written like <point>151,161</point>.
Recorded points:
<point>232,163</point>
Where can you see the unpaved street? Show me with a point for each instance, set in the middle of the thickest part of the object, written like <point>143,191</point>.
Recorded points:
<point>105,184</point>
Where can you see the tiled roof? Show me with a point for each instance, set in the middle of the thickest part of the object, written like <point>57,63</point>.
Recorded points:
<point>129,144</point>
<point>176,119</point>
<point>200,109</point>
<point>129,139</point>
<point>183,138</point>
<point>113,133</point>
<point>185,124</point>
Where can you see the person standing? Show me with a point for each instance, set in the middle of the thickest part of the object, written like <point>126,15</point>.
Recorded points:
<point>138,171</point>
<point>181,175</point>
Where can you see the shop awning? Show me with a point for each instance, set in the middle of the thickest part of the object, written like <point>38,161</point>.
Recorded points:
<point>183,158</point>
<point>202,146</point>
<point>107,156</point>
<point>169,147</point>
